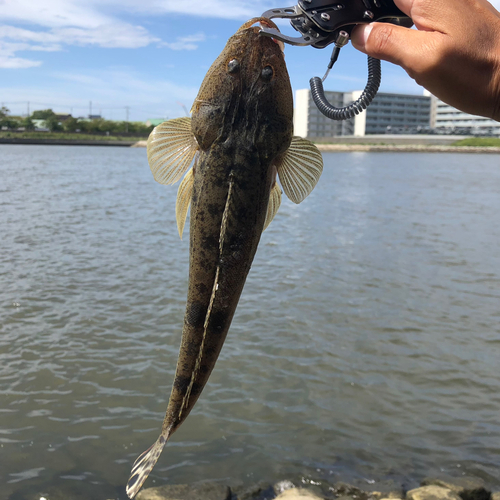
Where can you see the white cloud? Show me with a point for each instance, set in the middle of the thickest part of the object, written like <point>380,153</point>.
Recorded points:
<point>188,42</point>
<point>60,23</point>
<point>115,35</point>
<point>23,35</point>
<point>8,58</point>
<point>53,13</point>
<point>224,9</point>
<point>9,61</point>
<point>110,36</point>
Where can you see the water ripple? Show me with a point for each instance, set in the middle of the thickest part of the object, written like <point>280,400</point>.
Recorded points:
<point>365,345</point>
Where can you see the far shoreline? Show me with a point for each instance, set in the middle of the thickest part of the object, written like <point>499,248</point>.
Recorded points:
<point>406,148</point>
<point>393,148</point>
<point>372,145</point>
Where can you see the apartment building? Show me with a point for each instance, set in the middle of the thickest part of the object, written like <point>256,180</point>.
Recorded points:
<point>387,112</point>
<point>447,117</point>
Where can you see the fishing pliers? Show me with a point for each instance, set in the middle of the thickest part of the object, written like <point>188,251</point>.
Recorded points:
<point>323,22</point>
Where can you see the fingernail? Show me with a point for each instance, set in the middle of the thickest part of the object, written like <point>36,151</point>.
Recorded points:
<point>361,35</point>
<point>367,29</point>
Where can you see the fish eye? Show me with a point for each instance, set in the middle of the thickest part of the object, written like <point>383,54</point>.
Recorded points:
<point>267,73</point>
<point>233,66</point>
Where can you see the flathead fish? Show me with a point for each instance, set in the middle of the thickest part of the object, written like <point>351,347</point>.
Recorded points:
<point>240,136</point>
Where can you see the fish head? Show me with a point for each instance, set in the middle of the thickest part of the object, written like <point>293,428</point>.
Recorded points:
<point>246,92</point>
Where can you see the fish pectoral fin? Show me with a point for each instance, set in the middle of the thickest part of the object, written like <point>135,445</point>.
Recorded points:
<point>144,465</point>
<point>299,169</point>
<point>274,204</point>
<point>184,200</point>
<point>171,149</point>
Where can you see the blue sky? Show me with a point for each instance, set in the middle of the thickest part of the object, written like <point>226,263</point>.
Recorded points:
<point>149,55</point>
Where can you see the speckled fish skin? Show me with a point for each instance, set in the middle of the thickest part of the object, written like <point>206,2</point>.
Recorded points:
<point>242,122</point>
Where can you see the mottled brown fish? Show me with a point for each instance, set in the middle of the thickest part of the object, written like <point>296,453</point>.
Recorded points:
<point>240,138</point>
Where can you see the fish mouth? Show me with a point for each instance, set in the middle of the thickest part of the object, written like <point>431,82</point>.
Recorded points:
<point>281,45</point>
<point>264,21</point>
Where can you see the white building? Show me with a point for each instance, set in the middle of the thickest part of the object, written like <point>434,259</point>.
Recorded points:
<point>308,120</point>
<point>447,117</point>
<point>387,112</point>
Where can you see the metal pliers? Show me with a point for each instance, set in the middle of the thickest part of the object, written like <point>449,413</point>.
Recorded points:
<point>322,22</point>
<point>319,22</point>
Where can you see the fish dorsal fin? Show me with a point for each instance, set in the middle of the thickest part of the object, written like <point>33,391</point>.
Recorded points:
<point>300,169</point>
<point>171,149</point>
<point>183,200</point>
<point>274,204</point>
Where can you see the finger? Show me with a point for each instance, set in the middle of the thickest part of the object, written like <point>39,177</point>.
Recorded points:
<point>431,15</point>
<point>396,44</point>
<point>491,8</point>
<point>404,6</point>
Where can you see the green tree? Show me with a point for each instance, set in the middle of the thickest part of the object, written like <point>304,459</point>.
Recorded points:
<point>7,121</point>
<point>52,123</point>
<point>71,124</point>
<point>42,114</point>
<point>28,124</point>
<point>89,126</point>
<point>107,126</point>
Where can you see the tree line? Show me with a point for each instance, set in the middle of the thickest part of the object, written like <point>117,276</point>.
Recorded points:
<point>56,123</point>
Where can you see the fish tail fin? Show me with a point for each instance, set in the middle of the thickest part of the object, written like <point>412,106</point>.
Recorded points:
<point>143,466</point>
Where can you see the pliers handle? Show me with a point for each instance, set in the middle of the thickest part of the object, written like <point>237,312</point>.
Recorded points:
<point>319,22</point>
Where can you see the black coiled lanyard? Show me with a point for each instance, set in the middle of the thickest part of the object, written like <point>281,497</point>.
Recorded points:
<point>356,107</point>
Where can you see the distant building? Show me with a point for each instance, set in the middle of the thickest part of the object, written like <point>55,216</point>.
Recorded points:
<point>447,117</point>
<point>308,120</point>
<point>40,125</point>
<point>94,117</point>
<point>387,113</point>
<point>62,117</point>
<point>154,122</point>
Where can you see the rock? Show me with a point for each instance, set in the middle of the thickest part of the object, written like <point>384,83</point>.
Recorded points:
<point>477,494</point>
<point>495,496</point>
<point>203,491</point>
<point>392,495</point>
<point>432,492</point>
<point>456,484</point>
<point>348,490</point>
<point>395,494</point>
<point>297,494</point>
<point>259,491</point>
<point>282,486</point>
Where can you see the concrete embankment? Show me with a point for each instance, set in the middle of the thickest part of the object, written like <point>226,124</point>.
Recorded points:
<point>372,144</point>
<point>409,148</point>
<point>393,139</point>
<point>395,144</point>
<point>401,144</point>
<point>394,148</point>
<point>65,142</point>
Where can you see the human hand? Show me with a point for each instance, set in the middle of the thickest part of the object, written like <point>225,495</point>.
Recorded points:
<point>454,53</point>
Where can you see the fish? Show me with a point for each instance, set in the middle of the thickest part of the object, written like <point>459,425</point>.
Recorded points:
<point>240,141</point>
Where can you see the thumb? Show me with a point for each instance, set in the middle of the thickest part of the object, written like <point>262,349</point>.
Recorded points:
<point>396,44</point>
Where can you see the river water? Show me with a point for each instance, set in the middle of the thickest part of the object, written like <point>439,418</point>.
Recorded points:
<point>366,345</point>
